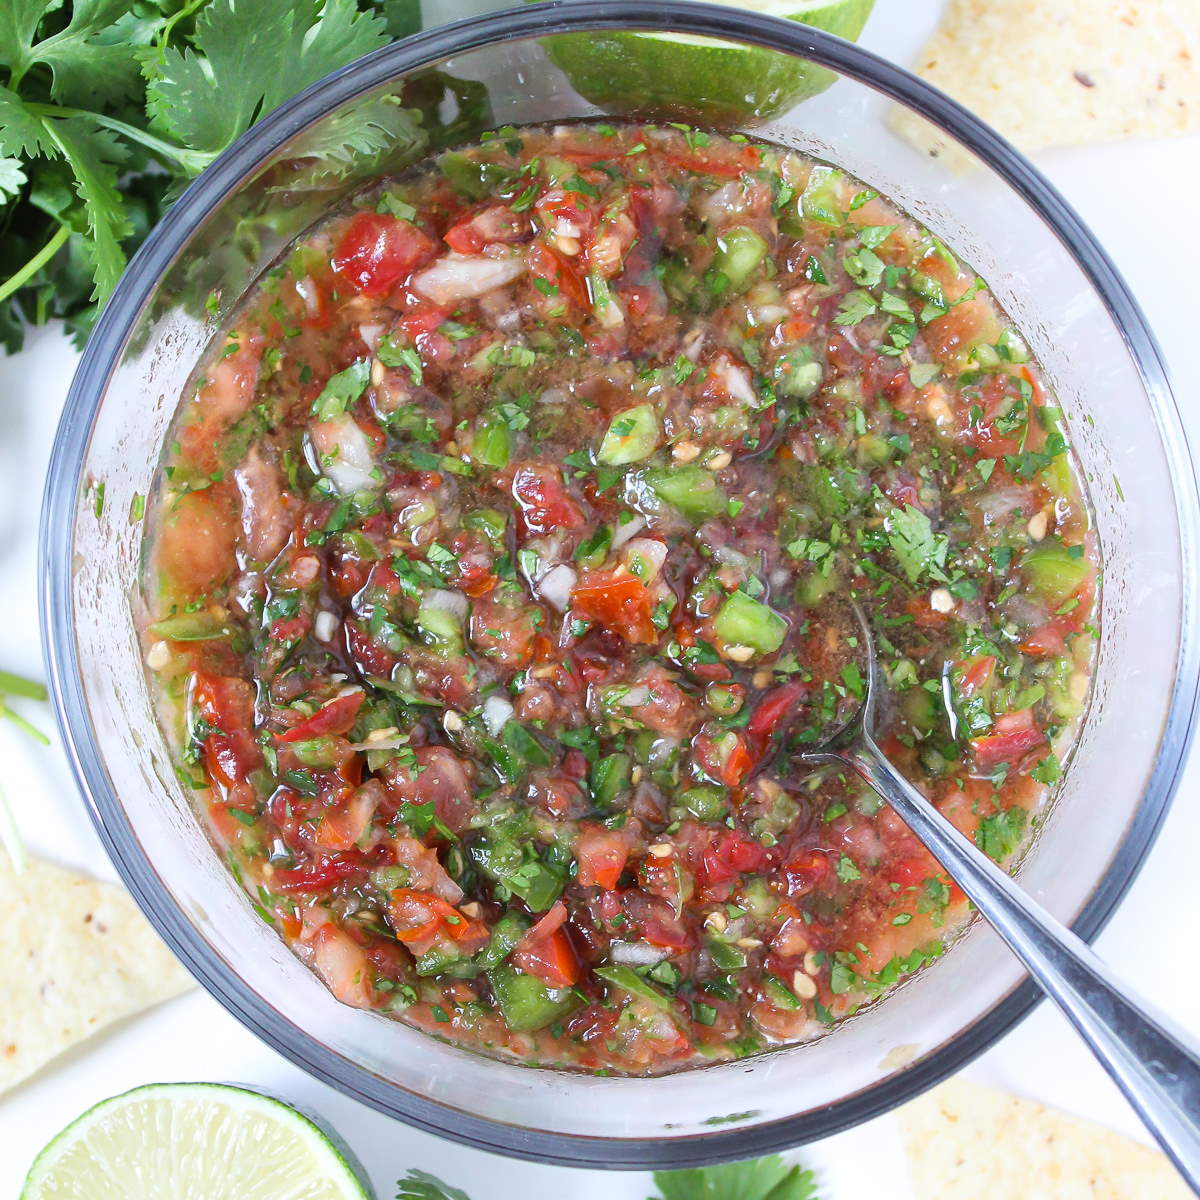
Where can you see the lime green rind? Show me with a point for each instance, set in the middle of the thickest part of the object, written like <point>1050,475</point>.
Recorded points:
<point>116,1140</point>
<point>703,80</point>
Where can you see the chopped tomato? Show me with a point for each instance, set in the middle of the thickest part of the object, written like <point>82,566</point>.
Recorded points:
<point>602,854</point>
<point>226,705</point>
<point>621,603</point>
<point>546,953</point>
<point>419,917</point>
<point>542,497</point>
<point>976,672</point>
<point>338,716</point>
<point>1016,734</point>
<point>773,710</point>
<point>319,875</point>
<point>378,251</point>
<point>729,855</point>
<point>558,271</point>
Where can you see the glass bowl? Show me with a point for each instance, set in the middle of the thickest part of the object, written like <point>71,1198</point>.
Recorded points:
<point>448,85</point>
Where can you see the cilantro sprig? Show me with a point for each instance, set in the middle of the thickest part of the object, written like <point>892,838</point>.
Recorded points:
<point>108,107</point>
<point>17,687</point>
<point>757,1179</point>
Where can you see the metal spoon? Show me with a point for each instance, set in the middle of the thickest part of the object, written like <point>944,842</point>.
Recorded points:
<point>1154,1064</point>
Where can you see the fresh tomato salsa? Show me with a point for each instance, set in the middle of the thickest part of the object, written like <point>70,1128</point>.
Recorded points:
<point>499,576</point>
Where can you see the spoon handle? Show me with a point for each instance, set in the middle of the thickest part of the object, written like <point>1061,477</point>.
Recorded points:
<point>1154,1066</point>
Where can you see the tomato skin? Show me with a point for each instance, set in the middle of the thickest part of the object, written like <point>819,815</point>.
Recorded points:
<point>773,709</point>
<point>730,855</point>
<point>1016,735</point>
<point>546,953</point>
<point>378,251</point>
<point>976,672</point>
<point>602,854</point>
<point>558,271</point>
<point>317,876</point>
<point>620,603</point>
<point>337,716</point>
<point>226,703</point>
<point>543,500</point>
<point>420,918</point>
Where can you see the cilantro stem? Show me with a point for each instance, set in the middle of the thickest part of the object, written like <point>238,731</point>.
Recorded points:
<point>18,685</point>
<point>10,836</point>
<point>20,722</point>
<point>25,273</point>
<point>193,161</point>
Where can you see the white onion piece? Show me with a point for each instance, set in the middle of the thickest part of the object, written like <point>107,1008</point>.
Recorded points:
<point>325,626</point>
<point>370,334</point>
<point>623,532</point>
<point>730,557</point>
<point>556,585</point>
<point>397,742</point>
<point>652,554</point>
<point>553,395</point>
<point>344,454</point>
<point>497,712</point>
<point>635,697</point>
<point>442,600</point>
<point>736,380</point>
<point>660,751</point>
<point>635,954</point>
<point>565,228</point>
<point>465,276</point>
<point>725,200</point>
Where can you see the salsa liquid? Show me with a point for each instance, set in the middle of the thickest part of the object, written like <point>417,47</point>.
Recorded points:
<point>499,572</point>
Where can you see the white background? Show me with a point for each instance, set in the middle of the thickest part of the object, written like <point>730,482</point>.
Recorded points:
<point>1141,201</point>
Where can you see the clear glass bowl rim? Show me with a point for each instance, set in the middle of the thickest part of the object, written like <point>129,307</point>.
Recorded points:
<point>64,481</point>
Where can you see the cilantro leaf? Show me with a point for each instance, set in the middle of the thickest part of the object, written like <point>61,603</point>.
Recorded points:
<point>758,1179</point>
<point>420,1185</point>
<point>856,306</point>
<point>919,550</point>
<point>12,177</point>
<point>247,59</point>
<point>94,155</point>
<point>999,834</point>
<point>342,389</point>
<point>22,134</point>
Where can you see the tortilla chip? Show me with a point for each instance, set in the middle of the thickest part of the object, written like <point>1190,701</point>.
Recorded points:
<point>1066,72</point>
<point>970,1142</point>
<point>75,956</point>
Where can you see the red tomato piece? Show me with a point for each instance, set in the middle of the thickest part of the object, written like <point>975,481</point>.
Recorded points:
<point>975,673</point>
<point>318,876</point>
<point>1015,736</point>
<point>546,953</point>
<point>226,704</point>
<point>730,855</point>
<point>773,710</point>
<point>543,500</point>
<point>378,251</point>
<point>602,854</point>
<point>338,716</point>
<point>558,271</point>
<point>621,603</point>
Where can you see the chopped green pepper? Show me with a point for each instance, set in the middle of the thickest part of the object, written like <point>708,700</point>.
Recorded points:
<point>743,621</point>
<point>692,490</point>
<point>526,1003</point>
<point>631,436</point>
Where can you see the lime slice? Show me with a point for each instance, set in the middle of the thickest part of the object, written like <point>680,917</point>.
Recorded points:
<point>192,1141</point>
<point>702,77</point>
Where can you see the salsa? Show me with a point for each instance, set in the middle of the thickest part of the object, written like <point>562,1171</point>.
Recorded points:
<point>499,572</point>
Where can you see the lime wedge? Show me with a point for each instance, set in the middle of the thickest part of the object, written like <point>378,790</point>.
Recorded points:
<point>703,78</point>
<point>192,1141</point>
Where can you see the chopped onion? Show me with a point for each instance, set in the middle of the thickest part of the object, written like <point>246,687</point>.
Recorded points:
<point>463,277</point>
<point>553,395</point>
<point>344,455</point>
<point>635,954</point>
<point>624,531</point>
<point>325,626</point>
<point>635,697</point>
<point>736,380</point>
<point>652,554</point>
<point>370,333</point>
<point>497,712</point>
<point>443,600</point>
<point>724,201</point>
<point>556,585</point>
<point>661,750</point>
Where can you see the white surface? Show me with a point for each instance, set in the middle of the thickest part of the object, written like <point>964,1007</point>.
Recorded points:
<point>1138,198</point>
